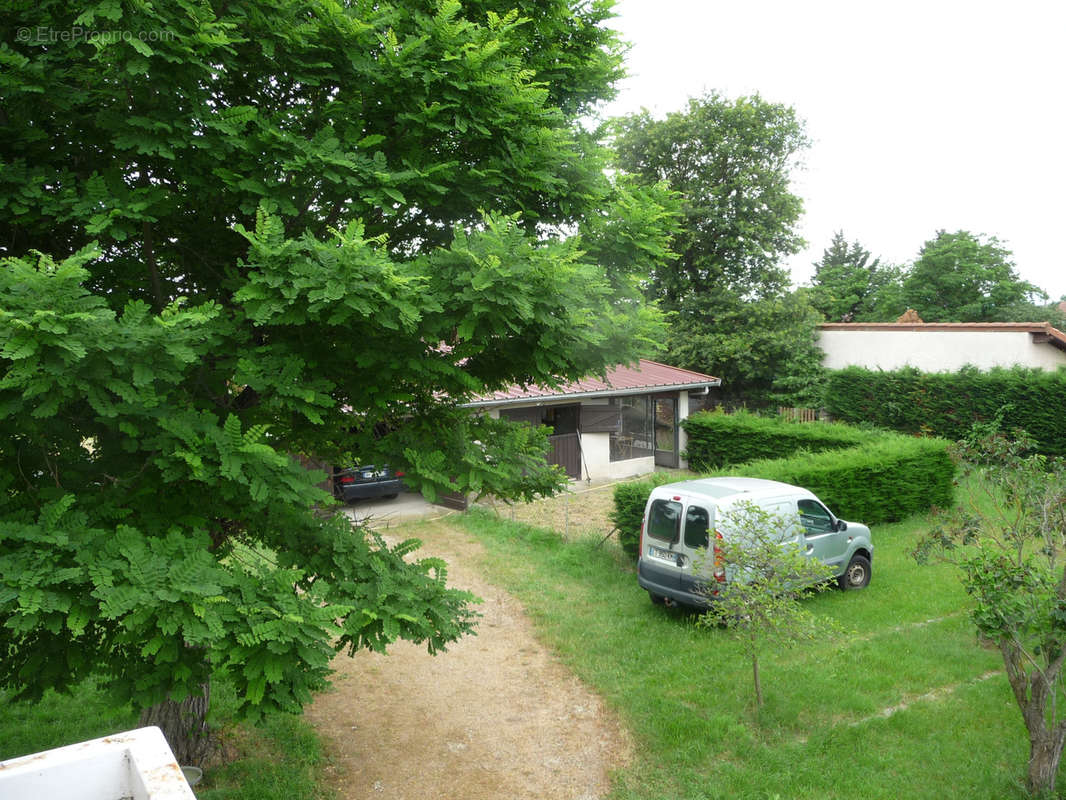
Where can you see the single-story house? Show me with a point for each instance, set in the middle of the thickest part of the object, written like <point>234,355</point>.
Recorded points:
<point>617,427</point>
<point>941,346</point>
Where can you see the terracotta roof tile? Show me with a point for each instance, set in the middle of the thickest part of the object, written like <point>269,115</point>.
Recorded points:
<point>646,376</point>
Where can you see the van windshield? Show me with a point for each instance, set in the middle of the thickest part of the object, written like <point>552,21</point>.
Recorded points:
<point>664,520</point>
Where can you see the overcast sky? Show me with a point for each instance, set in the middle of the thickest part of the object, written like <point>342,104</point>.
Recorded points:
<point>923,115</point>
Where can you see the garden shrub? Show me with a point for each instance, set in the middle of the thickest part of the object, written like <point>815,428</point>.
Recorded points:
<point>862,475</point>
<point>716,439</point>
<point>947,404</point>
<point>884,481</point>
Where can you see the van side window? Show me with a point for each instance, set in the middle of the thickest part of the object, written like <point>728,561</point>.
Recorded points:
<point>697,521</point>
<point>664,520</point>
<point>815,517</point>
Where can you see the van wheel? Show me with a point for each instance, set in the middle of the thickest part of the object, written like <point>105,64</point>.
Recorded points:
<point>658,599</point>
<point>857,575</point>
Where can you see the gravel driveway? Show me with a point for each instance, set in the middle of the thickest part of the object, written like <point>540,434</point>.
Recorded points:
<point>497,716</point>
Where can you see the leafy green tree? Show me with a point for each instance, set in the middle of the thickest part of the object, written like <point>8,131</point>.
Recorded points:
<point>1055,313</point>
<point>963,277</point>
<point>847,286</point>
<point>1008,537</point>
<point>1027,311</point>
<point>764,576</point>
<point>637,226</point>
<point>763,350</point>
<point>243,232</point>
<point>730,162</point>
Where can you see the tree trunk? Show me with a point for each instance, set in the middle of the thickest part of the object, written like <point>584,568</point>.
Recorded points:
<point>184,725</point>
<point>758,684</point>
<point>1033,689</point>
<point>1045,750</point>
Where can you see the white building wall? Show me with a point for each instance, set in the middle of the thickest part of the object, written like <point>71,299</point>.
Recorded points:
<point>682,437</point>
<point>936,351</point>
<point>596,464</point>
<point>595,456</point>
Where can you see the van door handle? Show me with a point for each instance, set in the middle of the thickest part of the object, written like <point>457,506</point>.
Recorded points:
<point>810,548</point>
<point>680,560</point>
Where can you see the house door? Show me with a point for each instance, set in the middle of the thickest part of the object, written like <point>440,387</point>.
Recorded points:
<point>564,442</point>
<point>666,431</point>
<point>565,450</point>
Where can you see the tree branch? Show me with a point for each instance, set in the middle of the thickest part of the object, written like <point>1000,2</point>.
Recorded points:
<point>153,267</point>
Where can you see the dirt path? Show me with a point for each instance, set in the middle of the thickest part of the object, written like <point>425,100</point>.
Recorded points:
<point>497,716</point>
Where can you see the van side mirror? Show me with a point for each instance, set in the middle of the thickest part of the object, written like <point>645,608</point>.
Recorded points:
<point>841,525</point>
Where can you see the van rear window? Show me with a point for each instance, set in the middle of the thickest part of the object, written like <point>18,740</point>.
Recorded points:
<point>697,523</point>
<point>664,520</point>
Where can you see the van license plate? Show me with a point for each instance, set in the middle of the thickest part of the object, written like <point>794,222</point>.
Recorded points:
<point>666,555</point>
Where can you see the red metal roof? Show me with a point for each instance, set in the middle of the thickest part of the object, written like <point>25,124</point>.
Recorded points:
<point>646,376</point>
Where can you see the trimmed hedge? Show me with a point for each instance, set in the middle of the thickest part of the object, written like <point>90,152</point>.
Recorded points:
<point>947,404</point>
<point>716,439</point>
<point>885,481</point>
<point>887,477</point>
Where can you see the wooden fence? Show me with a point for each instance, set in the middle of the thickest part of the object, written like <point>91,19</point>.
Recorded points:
<point>798,414</point>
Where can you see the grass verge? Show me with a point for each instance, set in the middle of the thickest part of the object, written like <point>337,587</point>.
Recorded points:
<point>907,705</point>
<point>279,759</point>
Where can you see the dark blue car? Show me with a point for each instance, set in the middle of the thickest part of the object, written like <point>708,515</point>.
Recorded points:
<point>366,482</point>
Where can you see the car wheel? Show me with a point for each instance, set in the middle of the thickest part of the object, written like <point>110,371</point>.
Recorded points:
<point>858,573</point>
<point>658,599</point>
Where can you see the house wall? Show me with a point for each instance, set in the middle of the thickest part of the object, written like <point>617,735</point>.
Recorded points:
<point>682,437</point>
<point>597,465</point>
<point>936,351</point>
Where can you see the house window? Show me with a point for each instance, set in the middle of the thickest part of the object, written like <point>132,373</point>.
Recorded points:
<point>635,438</point>
<point>561,419</point>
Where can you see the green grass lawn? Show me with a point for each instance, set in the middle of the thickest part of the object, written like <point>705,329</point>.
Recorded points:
<point>907,705</point>
<point>280,759</point>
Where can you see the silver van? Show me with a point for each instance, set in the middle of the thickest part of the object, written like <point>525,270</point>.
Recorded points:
<point>680,519</point>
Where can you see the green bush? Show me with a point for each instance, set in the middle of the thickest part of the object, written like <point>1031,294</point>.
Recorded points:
<point>865,476</point>
<point>716,439</point>
<point>947,404</point>
<point>884,481</point>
